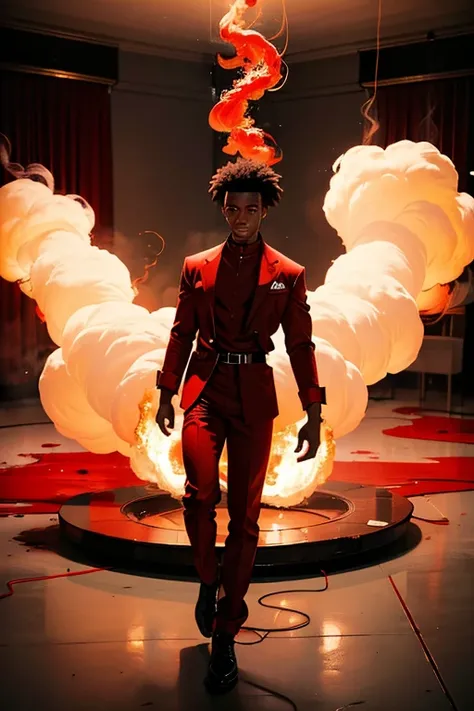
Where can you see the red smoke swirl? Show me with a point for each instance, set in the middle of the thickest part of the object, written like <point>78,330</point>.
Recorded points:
<point>261,66</point>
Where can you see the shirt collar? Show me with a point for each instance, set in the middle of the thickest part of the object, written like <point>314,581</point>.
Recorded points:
<point>247,248</point>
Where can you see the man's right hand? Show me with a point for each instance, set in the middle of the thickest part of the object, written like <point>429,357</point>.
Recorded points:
<point>165,414</point>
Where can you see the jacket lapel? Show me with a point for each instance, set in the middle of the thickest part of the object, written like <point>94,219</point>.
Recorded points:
<point>269,271</point>
<point>208,276</point>
<point>210,267</point>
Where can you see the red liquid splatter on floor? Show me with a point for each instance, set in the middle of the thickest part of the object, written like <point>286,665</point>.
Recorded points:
<point>362,451</point>
<point>56,477</point>
<point>435,475</point>
<point>433,427</point>
<point>50,445</point>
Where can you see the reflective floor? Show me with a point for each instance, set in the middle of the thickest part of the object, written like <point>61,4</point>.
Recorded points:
<point>392,636</point>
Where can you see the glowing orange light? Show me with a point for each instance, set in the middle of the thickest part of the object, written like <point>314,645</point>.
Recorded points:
<point>135,639</point>
<point>434,301</point>
<point>158,459</point>
<point>332,636</point>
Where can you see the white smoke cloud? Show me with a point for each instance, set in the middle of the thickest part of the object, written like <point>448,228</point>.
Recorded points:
<point>405,227</point>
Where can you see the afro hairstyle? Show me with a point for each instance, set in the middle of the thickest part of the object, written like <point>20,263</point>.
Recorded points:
<point>246,176</point>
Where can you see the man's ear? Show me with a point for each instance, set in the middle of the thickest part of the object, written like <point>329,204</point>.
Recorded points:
<point>264,212</point>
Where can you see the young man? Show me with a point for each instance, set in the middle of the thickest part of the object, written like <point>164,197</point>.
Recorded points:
<point>235,296</point>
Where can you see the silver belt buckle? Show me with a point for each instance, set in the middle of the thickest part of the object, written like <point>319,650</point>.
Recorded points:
<point>231,361</point>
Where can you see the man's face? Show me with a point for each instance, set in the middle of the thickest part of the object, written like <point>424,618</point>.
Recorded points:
<point>244,213</point>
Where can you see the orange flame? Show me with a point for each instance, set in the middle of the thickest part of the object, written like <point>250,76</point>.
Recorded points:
<point>175,455</point>
<point>144,277</point>
<point>40,314</point>
<point>261,65</point>
<point>158,459</point>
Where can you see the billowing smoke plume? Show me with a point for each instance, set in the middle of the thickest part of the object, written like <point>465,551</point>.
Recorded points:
<point>405,228</point>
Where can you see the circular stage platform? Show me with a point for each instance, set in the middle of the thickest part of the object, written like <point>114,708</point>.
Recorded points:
<point>141,525</point>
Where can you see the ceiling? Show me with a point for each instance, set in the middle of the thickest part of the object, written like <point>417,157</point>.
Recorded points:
<point>190,27</point>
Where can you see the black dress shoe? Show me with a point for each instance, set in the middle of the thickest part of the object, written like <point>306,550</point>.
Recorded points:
<point>205,610</point>
<point>223,673</point>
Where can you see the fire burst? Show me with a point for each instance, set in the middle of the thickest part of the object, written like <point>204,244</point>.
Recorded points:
<point>158,459</point>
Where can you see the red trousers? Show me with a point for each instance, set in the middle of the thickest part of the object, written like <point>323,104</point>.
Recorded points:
<point>215,420</point>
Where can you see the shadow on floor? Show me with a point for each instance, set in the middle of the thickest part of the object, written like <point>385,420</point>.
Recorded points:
<point>49,538</point>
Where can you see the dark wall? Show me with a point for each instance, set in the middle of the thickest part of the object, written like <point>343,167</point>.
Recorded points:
<point>315,118</point>
<point>165,153</point>
<point>162,152</point>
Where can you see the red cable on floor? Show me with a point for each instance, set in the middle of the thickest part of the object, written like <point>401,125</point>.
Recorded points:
<point>437,521</point>
<point>426,650</point>
<point>11,583</point>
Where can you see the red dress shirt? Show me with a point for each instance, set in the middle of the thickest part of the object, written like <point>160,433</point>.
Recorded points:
<point>236,282</point>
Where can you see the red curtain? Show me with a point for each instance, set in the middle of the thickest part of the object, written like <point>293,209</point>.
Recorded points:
<point>437,111</point>
<point>65,125</point>
<point>441,112</point>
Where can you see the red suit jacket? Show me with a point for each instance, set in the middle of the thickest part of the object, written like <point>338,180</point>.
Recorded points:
<point>280,299</point>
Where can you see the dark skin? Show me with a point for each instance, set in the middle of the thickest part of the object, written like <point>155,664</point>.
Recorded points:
<point>244,213</point>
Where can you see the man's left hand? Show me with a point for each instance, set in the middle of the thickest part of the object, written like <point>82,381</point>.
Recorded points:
<point>310,433</point>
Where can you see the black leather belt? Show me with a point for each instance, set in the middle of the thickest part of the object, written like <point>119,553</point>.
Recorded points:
<point>242,358</point>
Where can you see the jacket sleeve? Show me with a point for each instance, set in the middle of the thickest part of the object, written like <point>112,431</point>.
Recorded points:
<point>297,326</point>
<point>182,335</point>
